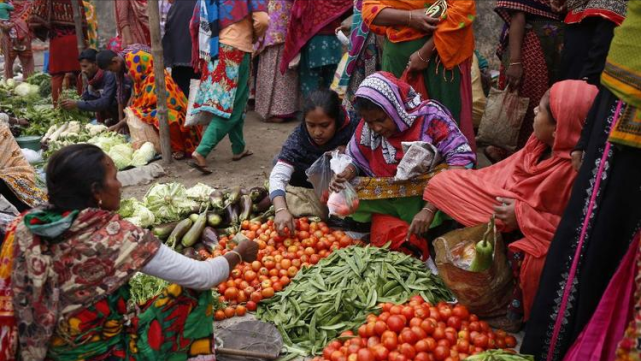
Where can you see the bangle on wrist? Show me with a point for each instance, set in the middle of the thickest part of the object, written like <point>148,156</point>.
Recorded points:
<point>516,63</point>
<point>280,210</point>
<point>240,258</point>
<point>418,53</point>
<point>430,210</point>
<point>409,22</point>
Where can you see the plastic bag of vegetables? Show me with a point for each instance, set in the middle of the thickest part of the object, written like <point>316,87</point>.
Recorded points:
<point>169,202</point>
<point>345,202</point>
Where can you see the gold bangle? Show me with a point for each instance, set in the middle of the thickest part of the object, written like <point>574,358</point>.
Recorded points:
<point>420,57</point>
<point>409,22</point>
<point>516,63</point>
<point>280,210</point>
<point>237,254</point>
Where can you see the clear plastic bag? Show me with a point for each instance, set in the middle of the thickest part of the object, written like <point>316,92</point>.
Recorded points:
<point>345,202</point>
<point>319,175</point>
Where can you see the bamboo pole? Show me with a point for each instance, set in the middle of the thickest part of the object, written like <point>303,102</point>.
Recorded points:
<point>159,73</point>
<point>77,19</point>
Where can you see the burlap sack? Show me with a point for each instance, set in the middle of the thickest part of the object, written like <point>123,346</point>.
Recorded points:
<point>141,132</point>
<point>487,293</point>
<point>502,120</point>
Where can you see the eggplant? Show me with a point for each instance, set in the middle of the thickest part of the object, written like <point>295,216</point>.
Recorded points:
<point>217,199</point>
<point>162,231</point>
<point>245,208</point>
<point>209,238</point>
<point>190,252</point>
<point>224,232</point>
<point>193,235</point>
<point>193,217</point>
<point>179,231</point>
<point>263,205</point>
<point>231,214</point>
<point>264,217</point>
<point>214,220</point>
<point>258,193</point>
<point>234,196</point>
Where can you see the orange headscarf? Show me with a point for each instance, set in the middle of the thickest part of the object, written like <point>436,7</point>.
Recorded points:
<point>541,189</point>
<point>454,36</point>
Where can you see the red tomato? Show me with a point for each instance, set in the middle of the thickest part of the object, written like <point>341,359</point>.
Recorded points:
<point>438,333</point>
<point>384,316</point>
<point>337,356</point>
<point>441,353</point>
<point>481,340</point>
<point>428,326</point>
<point>422,356</point>
<point>454,322</point>
<point>510,341</point>
<point>353,348</point>
<point>395,323</point>
<point>444,343</point>
<point>420,313</point>
<point>380,327</point>
<point>408,312</point>
<point>422,346</point>
<point>407,336</point>
<point>362,331</point>
<point>417,299</point>
<point>408,351</point>
<point>231,293</point>
<point>419,332</point>
<point>415,322</point>
<point>393,356</point>
<point>396,310</point>
<point>251,306</point>
<point>461,312</point>
<point>390,343</point>
<point>365,354</point>
<point>241,311</point>
<point>386,307</point>
<point>462,345</point>
<point>371,327</point>
<point>445,312</point>
<point>500,343</point>
<point>431,344</point>
<point>380,353</point>
<point>373,341</point>
<point>474,326</point>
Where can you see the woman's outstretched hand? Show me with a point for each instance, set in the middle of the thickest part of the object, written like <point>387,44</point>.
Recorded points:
<point>421,222</point>
<point>506,213</point>
<point>248,250</point>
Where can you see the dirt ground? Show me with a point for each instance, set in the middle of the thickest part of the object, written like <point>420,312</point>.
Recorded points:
<point>264,139</point>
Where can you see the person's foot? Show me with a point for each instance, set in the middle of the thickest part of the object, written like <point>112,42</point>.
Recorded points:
<point>199,163</point>
<point>275,120</point>
<point>245,153</point>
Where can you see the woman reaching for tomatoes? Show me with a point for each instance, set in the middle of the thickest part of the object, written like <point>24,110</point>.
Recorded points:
<point>325,127</point>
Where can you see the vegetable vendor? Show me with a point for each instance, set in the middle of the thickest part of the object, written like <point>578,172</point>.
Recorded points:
<point>100,93</point>
<point>225,53</point>
<point>528,191</point>
<point>325,127</point>
<point>137,63</point>
<point>17,176</point>
<point>393,113</point>
<point>74,305</point>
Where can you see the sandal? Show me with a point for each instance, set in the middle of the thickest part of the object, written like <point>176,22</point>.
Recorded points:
<point>202,169</point>
<point>179,155</point>
<point>245,153</point>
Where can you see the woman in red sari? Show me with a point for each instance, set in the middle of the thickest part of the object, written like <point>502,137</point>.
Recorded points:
<point>53,19</point>
<point>132,22</point>
<point>529,190</point>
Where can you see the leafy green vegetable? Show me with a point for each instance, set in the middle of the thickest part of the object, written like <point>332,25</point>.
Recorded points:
<point>141,216</point>
<point>127,207</point>
<point>169,202</point>
<point>143,155</point>
<point>144,287</point>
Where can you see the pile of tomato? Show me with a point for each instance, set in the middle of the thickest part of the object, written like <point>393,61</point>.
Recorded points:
<point>418,331</point>
<point>279,260</point>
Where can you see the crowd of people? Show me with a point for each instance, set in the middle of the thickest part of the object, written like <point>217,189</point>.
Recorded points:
<point>406,75</point>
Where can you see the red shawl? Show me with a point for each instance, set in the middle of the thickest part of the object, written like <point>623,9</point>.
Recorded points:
<point>307,19</point>
<point>134,14</point>
<point>541,188</point>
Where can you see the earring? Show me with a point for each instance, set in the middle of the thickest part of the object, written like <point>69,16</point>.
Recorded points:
<point>100,203</point>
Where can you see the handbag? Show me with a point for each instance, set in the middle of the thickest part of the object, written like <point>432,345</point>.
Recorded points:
<point>502,120</point>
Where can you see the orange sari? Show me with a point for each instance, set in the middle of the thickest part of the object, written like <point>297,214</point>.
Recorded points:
<point>453,37</point>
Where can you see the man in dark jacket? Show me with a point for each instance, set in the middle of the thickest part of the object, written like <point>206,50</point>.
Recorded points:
<point>100,93</point>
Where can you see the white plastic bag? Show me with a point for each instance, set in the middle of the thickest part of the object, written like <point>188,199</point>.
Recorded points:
<point>200,117</point>
<point>345,202</point>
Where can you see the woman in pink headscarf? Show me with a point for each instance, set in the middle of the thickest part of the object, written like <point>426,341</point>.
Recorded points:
<point>528,191</point>
<point>133,22</point>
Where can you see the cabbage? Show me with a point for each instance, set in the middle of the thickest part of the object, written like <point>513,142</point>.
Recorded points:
<point>121,155</point>
<point>127,207</point>
<point>169,202</point>
<point>142,216</point>
<point>143,155</point>
<point>200,192</point>
<point>95,129</point>
<point>107,141</point>
<point>26,89</point>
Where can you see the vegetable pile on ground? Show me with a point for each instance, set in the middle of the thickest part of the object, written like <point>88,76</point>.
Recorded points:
<point>339,292</point>
<point>114,144</point>
<point>31,100</point>
<point>499,355</point>
<point>279,260</point>
<point>192,220</point>
<point>420,331</point>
